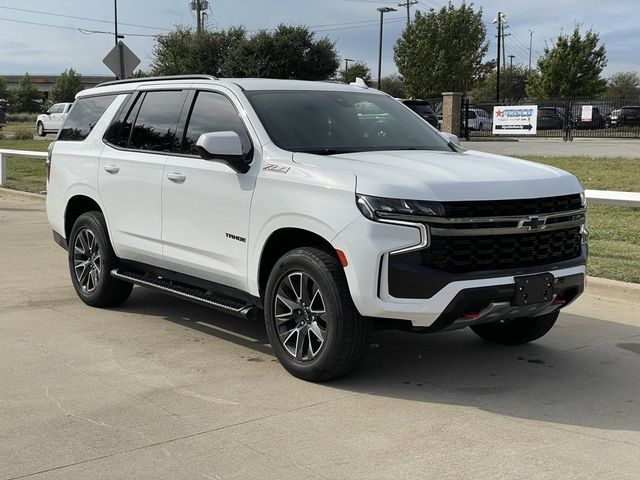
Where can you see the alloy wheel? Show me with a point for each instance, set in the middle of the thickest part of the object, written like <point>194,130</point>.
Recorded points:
<point>300,316</point>
<point>87,262</point>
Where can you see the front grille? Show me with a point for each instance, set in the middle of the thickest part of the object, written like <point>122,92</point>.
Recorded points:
<point>497,252</point>
<point>504,208</point>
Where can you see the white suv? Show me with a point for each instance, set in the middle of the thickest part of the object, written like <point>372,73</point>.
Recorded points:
<point>275,196</point>
<point>52,120</point>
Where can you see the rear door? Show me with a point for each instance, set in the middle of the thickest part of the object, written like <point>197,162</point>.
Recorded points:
<point>130,173</point>
<point>206,204</point>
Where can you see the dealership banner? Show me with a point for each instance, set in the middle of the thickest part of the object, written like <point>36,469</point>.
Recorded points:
<point>515,120</point>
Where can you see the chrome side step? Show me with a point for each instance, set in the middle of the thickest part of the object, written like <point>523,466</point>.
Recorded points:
<point>187,292</point>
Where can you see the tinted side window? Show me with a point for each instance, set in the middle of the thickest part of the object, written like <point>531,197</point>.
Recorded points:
<point>83,117</point>
<point>120,129</point>
<point>213,112</point>
<point>157,121</point>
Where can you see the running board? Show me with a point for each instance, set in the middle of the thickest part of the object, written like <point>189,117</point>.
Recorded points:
<point>187,292</point>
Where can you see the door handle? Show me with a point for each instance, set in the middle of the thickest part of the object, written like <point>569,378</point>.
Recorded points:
<point>176,177</point>
<point>112,169</point>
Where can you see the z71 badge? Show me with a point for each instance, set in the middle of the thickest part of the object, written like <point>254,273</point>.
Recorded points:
<point>274,167</point>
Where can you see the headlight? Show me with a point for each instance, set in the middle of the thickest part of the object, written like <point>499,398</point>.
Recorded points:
<point>375,208</point>
<point>583,200</point>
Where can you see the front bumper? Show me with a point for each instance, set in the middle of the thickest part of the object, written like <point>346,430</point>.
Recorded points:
<point>367,245</point>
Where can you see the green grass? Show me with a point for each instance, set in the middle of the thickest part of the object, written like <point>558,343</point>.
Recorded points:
<point>27,174</point>
<point>14,127</point>
<point>599,173</point>
<point>614,249</point>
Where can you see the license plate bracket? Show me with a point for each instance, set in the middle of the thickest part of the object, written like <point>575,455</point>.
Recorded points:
<point>532,289</point>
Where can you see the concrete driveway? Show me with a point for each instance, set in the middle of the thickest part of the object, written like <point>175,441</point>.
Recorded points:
<point>164,389</point>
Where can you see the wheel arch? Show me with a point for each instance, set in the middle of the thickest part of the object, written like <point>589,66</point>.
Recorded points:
<point>282,241</point>
<point>76,206</point>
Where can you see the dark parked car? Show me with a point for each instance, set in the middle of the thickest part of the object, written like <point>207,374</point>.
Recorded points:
<point>629,116</point>
<point>551,118</point>
<point>597,119</point>
<point>423,109</point>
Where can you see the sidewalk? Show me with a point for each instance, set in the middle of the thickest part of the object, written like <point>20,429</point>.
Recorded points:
<point>555,147</point>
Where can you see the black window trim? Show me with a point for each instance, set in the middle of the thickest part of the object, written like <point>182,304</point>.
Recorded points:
<point>187,119</point>
<point>136,102</point>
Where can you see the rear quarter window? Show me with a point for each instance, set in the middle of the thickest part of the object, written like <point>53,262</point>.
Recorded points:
<point>83,117</point>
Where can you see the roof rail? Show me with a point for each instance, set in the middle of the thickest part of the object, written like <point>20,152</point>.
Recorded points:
<point>159,79</point>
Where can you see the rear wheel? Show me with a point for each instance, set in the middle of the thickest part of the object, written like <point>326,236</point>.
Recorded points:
<point>312,324</point>
<point>91,259</point>
<point>516,331</point>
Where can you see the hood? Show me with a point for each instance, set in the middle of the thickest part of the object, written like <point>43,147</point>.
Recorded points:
<point>447,176</point>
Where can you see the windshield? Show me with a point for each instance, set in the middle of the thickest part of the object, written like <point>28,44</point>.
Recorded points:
<point>330,122</point>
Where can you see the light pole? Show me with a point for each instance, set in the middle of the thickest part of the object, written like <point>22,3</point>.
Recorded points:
<point>530,45</point>
<point>382,11</point>
<point>346,68</point>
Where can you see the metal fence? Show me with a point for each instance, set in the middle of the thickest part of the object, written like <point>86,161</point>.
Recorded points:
<point>610,118</point>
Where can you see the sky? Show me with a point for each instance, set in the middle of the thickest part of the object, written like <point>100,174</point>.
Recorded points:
<point>352,24</point>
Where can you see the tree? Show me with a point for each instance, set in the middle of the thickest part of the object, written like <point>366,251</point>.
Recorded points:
<point>393,85</point>
<point>356,69</point>
<point>66,87</point>
<point>184,51</point>
<point>442,51</point>
<point>571,67</point>
<point>513,82</point>
<point>3,89</point>
<point>287,52</point>
<point>26,97</point>
<point>622,84</point>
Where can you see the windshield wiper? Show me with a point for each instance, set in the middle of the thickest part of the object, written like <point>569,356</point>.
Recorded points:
<point>328,151</point>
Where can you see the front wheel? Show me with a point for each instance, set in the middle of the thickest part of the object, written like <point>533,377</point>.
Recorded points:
<point>516,331</point>
<point>313,326</point>
<point>40,129</point>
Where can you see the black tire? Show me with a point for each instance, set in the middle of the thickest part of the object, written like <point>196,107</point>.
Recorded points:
<point>346,334</point>
<point>106,291</point>
<point>40,130</point>
<point>517,331</point>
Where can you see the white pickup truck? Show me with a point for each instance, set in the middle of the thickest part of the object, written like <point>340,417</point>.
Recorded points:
<point>52,120</point>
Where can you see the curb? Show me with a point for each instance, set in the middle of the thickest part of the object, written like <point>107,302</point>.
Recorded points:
<point>629,292</point>
<point>20,193</point>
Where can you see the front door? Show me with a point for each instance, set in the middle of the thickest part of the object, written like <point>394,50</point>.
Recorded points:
<point>206,204</point>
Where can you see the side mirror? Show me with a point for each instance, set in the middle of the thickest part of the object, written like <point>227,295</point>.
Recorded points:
<point>450,137</point>
<point>225,147</point>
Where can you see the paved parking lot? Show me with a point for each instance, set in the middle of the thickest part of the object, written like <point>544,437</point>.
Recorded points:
<point>164,389</point>
<point>555,147</point>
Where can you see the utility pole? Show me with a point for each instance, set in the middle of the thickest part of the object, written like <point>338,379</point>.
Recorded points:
<point>408,4</point>
<point>504,50</point>
<point>511,57</point>
<point>530,46</point>
<point>346,68</point>
<point>199,6</point>
<point>115,18</point>
<point>382,11</point>
<point>498,21</point>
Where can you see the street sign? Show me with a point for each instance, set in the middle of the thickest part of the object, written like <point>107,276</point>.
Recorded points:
<point>587,113</point>
<point>121,60</point>
<point>515,120</point>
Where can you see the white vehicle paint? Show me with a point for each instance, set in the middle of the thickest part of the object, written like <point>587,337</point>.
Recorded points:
<point>53,119</point>
<point>425,232</point>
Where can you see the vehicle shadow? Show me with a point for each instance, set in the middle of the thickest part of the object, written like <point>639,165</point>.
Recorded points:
<point>585,372</point>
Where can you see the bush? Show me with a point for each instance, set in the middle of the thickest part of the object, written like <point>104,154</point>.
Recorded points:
<point>22,117</point>
<point>23,134</point>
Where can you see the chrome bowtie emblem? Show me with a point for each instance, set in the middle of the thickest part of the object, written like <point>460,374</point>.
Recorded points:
<point>533,222</point>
